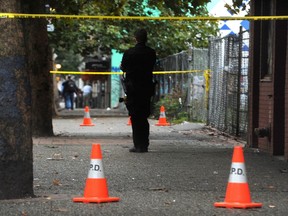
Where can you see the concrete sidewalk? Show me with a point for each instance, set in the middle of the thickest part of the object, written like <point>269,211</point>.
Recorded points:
<point>184,173</point>
<point>94,112</point>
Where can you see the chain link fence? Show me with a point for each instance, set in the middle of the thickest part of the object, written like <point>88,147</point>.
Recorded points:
<point>198,91</point>
<point>228,92</point>
<point>189,87</point>
<point>171,82</point>
<point>222,100</point>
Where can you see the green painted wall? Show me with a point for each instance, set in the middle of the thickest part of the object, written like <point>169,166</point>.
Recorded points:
<point>115,79</point>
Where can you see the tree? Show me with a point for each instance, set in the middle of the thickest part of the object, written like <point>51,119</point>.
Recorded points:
<point>92,36</point>
<point>237,6</point>
<point>39,64</point>
<point>16,170</point>
<point>25,89</point>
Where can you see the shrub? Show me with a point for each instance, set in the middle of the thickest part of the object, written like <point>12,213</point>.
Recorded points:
<point>173,108</point>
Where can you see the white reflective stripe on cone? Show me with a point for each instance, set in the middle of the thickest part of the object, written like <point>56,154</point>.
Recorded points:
<point>162,115</point>
<point>96,169</point>
<point>87,115</point>
<point>237,173</point>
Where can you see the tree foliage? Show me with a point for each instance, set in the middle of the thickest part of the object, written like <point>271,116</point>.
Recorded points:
<point>91,37</point>
<point>237,6</point>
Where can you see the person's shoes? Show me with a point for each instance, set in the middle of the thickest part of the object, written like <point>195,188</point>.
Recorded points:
<point>138,150</point>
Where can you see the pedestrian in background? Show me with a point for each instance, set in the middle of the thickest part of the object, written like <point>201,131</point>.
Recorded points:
<point>69,89</point>
<point>87,93</point>
<point>137,64</point>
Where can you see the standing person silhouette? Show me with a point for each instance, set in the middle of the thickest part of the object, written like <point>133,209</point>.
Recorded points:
<point>69,88</point>
<point>137,64</point>
<point>87,93</point>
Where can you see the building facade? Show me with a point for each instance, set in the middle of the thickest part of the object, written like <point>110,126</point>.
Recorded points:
<point>268,79</point>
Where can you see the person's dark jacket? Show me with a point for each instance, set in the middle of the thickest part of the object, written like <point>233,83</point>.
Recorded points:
<point>138,63</point>
<point>69,86</point>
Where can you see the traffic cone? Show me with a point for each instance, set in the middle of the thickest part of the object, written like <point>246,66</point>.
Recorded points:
<point>87,120</point>
<point>96,185</point>
<point>237,192</point>
<point>129,121</point>
<point>162,119</point>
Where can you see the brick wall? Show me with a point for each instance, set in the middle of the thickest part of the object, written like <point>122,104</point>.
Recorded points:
<point>265,113</point>
<point>269,95</point>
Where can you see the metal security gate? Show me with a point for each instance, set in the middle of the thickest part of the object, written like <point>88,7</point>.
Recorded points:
<point>228,96</point>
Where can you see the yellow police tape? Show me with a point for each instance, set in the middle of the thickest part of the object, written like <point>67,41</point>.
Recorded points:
<point>86,72</point>
<point>203,18</point>
<point>120,73</point>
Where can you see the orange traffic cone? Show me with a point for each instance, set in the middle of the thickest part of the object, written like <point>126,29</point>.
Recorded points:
<point>162,118</point>
<point>237,192</point>
<point>96,185</point>
<point>87,120</point>
<point>129,121</point>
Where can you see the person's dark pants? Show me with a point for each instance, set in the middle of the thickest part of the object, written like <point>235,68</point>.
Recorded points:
<point>69,100</point>
<point>140,112</point>
<point>140,130</point>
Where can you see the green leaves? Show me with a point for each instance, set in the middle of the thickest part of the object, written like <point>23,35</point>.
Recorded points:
<point>86,37</point>
<point>237,6</point>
